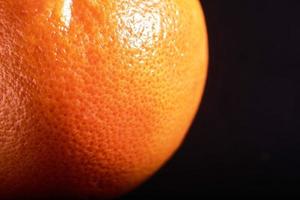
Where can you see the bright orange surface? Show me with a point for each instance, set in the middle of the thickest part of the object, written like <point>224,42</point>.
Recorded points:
<point>95,94</point>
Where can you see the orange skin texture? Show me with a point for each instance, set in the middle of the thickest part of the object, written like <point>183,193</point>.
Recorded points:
<point>96,95</point>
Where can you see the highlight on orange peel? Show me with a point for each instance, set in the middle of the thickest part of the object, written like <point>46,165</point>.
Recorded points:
<point>96,95</point>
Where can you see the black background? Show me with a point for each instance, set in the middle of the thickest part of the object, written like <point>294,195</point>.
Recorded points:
<point>245,139</point>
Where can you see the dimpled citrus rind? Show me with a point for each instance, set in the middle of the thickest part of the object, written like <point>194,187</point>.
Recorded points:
<point>95,95</point>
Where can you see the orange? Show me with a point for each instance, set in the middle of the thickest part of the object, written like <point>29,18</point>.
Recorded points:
<point>96,95</point>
